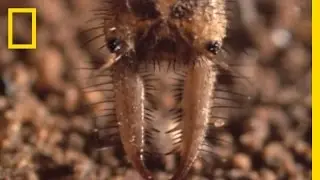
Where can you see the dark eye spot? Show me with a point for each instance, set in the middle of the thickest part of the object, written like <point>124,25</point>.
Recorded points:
<point>114,44</point>
<point>213,47</point>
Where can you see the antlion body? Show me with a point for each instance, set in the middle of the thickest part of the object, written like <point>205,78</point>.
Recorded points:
<point>181,37</point>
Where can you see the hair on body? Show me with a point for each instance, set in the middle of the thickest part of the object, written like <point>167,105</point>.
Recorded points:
<point>155,46</point>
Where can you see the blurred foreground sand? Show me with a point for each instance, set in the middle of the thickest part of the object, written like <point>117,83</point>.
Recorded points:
<point>44,132</point>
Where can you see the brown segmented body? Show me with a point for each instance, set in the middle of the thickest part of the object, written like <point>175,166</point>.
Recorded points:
<point>184,33</point>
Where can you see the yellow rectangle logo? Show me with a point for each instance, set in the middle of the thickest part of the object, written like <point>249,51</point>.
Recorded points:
<point>33,12</point>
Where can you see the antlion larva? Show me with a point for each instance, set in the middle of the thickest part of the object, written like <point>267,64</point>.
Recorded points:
<point>156,45</point>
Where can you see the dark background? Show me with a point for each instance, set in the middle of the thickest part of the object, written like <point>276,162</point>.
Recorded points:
<point>44,131</point>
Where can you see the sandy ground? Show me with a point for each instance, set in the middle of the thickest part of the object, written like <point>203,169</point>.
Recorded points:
<point>44,130</point>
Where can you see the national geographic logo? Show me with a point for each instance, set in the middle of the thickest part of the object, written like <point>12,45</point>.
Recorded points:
<point>11,13</point>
